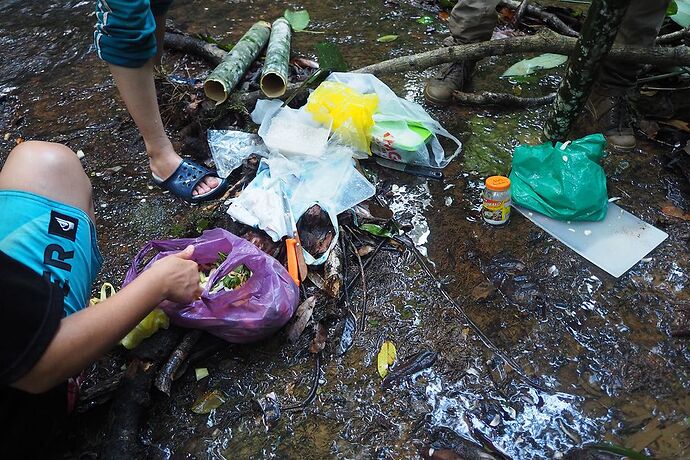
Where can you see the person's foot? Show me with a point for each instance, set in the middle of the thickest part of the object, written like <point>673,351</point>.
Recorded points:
<point>609,112</point>
<point>164,163</point>
<point>452,77</point>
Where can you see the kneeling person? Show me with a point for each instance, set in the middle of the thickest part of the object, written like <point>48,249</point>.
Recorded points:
<point>49,258</point>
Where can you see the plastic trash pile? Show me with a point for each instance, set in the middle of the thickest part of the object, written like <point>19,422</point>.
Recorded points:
<point>308,152</point>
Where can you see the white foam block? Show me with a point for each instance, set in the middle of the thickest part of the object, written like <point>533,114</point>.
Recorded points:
<point>615,244</point>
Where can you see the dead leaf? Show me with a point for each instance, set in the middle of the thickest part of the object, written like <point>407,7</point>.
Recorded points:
<point>19,140</point>
<point>365,250</point>
<point>678,124</point>
<point>302,317</point>
<point>443,16</point>
<point>483,291</point>
<point>386,358</point>
<point>208,401</point>
<point>319,342</point>
<point>671,211</point>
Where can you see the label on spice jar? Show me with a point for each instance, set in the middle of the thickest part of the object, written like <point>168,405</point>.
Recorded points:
<point>496,212</point>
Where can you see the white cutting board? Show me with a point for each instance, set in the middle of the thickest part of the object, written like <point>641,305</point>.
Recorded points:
<point>614,244</point>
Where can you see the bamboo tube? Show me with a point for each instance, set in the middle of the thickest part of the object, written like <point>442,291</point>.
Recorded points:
<point>225,77</point>
<point>274,77</point>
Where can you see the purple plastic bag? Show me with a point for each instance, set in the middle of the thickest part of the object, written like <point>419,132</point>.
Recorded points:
<point>245,314</point>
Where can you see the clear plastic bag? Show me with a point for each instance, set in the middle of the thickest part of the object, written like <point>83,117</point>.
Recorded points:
<point>230,148</point>
<point>405,116</point>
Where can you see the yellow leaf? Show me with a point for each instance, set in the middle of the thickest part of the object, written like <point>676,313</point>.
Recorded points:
<point>386,358</point>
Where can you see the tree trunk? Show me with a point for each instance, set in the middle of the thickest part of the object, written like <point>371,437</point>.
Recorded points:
<point>598,33</point>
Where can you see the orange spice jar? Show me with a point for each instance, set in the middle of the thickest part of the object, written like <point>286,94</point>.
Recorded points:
<point>496,200</point>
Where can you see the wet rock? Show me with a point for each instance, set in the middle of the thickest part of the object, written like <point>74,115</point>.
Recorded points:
<point>513,279</point>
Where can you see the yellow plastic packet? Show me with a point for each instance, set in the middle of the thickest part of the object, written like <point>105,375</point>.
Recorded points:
<point>350,111</point>
<point>146,328</point>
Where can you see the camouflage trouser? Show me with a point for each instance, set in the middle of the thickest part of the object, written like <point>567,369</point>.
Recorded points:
<point>474,20</point>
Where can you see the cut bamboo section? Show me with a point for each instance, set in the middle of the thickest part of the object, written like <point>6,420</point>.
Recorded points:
<point>225,77</point>
<point>274,78</point>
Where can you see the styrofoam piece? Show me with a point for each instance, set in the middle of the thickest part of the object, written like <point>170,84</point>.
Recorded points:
<point>614,244</point>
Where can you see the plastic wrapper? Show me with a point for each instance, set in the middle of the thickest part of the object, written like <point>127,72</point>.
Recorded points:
<point>230,148</point>
<point>350,112</point>
<point>564,181</point>
<point>148,326</point>
<point>248,313</point>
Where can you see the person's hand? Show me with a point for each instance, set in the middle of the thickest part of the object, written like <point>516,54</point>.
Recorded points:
<point>178,276</point>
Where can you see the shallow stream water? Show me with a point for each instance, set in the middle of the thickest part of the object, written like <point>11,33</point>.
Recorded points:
<point>601,345</point>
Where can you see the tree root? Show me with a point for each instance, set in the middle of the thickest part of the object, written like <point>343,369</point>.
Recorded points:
<point>500,99</point>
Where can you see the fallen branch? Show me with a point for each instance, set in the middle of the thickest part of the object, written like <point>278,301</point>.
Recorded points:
<point>673,36</point>
<point>125,419</point>
<point>190,45</point>
<point>520,12</point>
<point>176,359</point>
<point>540,43</point>
<point>551,20</point>
<point>501,99</point>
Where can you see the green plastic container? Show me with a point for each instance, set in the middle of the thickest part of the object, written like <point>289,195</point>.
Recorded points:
<point>399,141</point>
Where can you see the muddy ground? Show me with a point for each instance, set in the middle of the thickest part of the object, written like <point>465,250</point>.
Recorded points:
<point>601,345</point>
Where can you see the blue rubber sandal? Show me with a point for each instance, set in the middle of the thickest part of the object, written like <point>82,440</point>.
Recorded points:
<point>184,180</point>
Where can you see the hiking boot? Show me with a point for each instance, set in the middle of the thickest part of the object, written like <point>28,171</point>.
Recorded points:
<point>611,115</point>
<point>452,77</point>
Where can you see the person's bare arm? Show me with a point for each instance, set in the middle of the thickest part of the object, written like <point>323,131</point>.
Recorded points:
<point>86,335</point>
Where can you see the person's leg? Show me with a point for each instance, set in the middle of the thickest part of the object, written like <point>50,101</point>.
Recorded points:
<point>473,20</point>
<point>125,37</point>
<point>137,89</point>
<point>640,27</point>
<point>470,21</point>
<point>608,108</point>
<point>50,170</point>
<point>159,9</point>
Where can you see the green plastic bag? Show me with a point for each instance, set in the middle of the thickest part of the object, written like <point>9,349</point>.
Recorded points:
<point>565,182</point>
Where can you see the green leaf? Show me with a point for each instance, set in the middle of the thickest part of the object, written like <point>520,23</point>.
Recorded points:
<point>528,66</point>
<point>682,16</point>
<point>376,230</point>
<point>201,373</point>
<point>330,57</point>
<point>299,20</point>
<point>386,358</point>
<point>672,8</point>
<point>425,20</point>
<point>387,38</point>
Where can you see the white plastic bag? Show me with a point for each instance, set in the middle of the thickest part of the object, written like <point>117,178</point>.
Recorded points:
<point>290,132</point>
